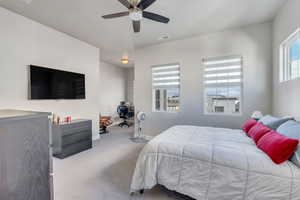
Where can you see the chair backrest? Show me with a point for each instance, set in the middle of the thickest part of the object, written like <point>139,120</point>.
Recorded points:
<point>123,111</point>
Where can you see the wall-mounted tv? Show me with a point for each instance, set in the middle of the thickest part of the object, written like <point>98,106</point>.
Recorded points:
<point>48,83</point>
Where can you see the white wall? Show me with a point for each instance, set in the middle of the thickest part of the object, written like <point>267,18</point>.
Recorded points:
<point>129,84</point>
<point>24,42</point>
<point>254,43</point>
<point>112,88</point>
<point>285,95</point>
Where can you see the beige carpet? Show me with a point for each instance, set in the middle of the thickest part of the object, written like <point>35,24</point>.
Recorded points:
<point>102,173</point>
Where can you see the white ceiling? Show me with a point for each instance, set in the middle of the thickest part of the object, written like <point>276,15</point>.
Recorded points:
<point>82,19</point>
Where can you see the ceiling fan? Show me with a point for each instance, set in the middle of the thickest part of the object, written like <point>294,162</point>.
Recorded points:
<point>136,11</point>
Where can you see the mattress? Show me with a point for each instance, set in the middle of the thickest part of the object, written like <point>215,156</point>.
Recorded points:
<point>208,163</point>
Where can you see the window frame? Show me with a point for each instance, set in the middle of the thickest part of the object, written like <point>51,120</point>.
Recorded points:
<point>285,73</point>
<point>154,90</point>
<point>241,86</point>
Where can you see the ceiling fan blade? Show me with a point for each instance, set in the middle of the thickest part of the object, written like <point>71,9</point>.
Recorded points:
<point>115,15</point>
<point>126,3</point>
<point>155,17</point>
<point>145,4</point>
<point>136,26</point>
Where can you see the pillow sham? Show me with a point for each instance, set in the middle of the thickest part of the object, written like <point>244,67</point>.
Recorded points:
<point>248,125</point>
<point>291,129</point>
<point>278,147</point>
<point>257,131</point>
<point>273,122</point>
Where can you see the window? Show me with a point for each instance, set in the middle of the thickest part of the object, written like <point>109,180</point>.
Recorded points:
<point>166,88</point>
<point>290,57</point>
<point>223,85</point>
<point>219,109</point>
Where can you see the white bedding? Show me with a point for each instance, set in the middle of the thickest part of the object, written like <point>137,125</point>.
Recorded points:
<point>214,164</point>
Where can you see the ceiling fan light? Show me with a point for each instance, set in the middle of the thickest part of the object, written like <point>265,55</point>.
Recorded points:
<point>136,15</point>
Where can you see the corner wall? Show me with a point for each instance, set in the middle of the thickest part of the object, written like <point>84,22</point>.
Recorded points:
<point>253,42</point>
<point>129,84</point>
<point>24,42</point>
<point>285,95</point>
<point>112,88</point>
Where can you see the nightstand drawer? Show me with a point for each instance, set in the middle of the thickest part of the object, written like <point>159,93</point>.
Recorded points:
<point>75,138</point>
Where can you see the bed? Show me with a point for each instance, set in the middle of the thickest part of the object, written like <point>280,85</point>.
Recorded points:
<point>208,163</point>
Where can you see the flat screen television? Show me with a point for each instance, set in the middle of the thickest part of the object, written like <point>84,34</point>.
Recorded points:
<point>48,83</point>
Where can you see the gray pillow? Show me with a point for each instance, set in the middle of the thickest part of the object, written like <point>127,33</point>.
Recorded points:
<point>273,122</point>
<point>291,129</point>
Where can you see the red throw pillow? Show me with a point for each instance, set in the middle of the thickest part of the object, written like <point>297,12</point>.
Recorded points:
<point>257,131</point>
<point>248,125</point>
<point>278,147</point>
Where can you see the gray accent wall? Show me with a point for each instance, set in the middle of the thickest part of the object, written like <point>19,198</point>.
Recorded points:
<point>286,94</point>
<point>253,42</point>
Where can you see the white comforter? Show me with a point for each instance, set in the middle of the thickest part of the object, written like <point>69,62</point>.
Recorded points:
<point>214,164</point>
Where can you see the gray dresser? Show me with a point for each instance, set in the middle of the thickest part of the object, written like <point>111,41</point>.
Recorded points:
<point>71,138</point>
<point>25,161</point>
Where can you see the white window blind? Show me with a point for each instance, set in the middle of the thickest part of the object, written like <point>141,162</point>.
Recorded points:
<point>167,76</point>
<point>166,87</point>
<point>223,84</point>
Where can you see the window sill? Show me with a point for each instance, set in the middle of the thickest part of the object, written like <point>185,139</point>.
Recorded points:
<point>171,112</point>
<point>290,80</point>
<point>224,114</point>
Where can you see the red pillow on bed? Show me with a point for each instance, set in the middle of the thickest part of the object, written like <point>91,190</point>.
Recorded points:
<point>257,131</point>
<point>248,125</point>
<point>278,147</point>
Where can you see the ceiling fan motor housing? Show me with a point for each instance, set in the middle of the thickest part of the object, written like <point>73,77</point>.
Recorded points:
<point>136,14</point>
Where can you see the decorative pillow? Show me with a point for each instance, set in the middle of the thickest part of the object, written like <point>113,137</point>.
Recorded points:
<point>273,122</point>
<point>248,125</point>
<point>257,131</point>
<point>278,147</point>
<point>291,129</point>
<point>267,119</point>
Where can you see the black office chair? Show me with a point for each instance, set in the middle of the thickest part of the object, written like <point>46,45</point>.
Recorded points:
<point>123,112</point>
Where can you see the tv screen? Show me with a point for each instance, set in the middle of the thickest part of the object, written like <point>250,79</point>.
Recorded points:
<point>48,83</point>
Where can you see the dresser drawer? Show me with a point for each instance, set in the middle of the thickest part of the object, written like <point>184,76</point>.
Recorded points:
<point>71,138</point>
<point>76,125</point>
<point>75,138</point>
<point>72,131</point>
<point>75,148</point>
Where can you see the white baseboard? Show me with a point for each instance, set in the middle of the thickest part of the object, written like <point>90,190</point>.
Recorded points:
<point>147,137</point>
<point>96,137</point>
